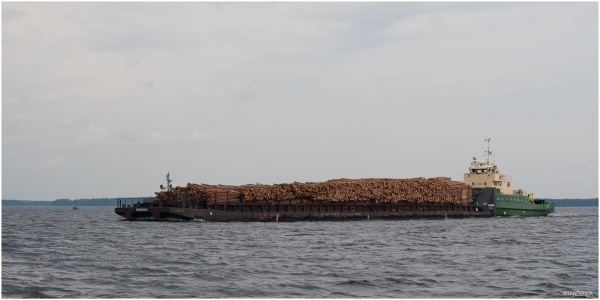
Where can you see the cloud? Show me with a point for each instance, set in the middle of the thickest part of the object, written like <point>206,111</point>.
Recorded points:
<point>93,134</point>
<point>54,162</point>
<point>246,94</point>
<point>10,102</point>
<point>17,140</point>
<point>9,15</point>
<point>197,136</point>
<point>130,137</point>
<point>18,117</point>
<point>74,113</point>
<point>412,27</point>
<point>160,137</point>
<point>121,37</point>
<point>148,83</point>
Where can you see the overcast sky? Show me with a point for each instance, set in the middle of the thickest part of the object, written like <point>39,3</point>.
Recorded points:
<point>103,99</point>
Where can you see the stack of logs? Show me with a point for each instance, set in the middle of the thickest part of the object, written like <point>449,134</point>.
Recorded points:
<point>371,190</point>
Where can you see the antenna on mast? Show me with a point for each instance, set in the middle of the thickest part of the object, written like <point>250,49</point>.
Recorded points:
<point>488,152</point>
<point>169,186</point>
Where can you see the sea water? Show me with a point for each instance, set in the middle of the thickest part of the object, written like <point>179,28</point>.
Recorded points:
<point>92,252</point>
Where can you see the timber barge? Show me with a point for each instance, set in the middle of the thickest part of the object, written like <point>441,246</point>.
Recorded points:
<point>222,208</point>
<point>485,192</point>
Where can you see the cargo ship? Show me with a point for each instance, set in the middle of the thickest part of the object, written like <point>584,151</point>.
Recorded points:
<point>487,182</point>
<point>484,193</point>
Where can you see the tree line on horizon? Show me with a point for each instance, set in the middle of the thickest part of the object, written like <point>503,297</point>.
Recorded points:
<point>66,202</point>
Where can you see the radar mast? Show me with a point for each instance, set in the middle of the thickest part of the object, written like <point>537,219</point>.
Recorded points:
<point>169,186</point>
<point>488,152</point>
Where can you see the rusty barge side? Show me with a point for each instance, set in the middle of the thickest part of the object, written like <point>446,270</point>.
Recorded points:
<point>152,209</point>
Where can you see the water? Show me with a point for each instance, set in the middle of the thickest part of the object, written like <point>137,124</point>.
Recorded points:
<point>92,253</point>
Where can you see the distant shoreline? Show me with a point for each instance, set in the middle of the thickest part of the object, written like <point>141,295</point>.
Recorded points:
<point>113,202</point>
<point>574,202</point>
<point>67,202</point>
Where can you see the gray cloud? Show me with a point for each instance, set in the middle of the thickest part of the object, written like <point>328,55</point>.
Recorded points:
<point>121,39</point>
<point>9,15</point>
<point>147,83</point>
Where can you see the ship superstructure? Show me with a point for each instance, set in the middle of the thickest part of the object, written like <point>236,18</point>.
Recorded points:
<point>485,174</point>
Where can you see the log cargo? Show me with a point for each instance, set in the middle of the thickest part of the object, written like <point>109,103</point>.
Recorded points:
<point>440,190</point>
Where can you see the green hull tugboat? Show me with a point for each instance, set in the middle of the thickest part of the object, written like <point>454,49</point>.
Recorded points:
<point>486,181</point>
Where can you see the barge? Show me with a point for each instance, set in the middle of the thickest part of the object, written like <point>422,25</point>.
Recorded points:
<point>203,209</point>
<point>485,192</point>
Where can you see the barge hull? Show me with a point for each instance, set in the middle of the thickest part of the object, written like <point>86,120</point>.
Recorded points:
<point>298,213</point>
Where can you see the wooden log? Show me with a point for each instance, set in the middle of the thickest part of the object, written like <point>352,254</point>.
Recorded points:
<point>366,190</point>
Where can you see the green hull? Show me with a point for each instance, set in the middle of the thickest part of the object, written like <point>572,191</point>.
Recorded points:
<point>507,212</point>
<point>519,205</point>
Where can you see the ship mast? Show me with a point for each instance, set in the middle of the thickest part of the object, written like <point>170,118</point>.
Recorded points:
<point>168,182</point>
<point>488,152</point>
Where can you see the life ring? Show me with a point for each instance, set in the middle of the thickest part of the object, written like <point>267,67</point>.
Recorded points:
<point>484,204</point>
<point>180,198</point>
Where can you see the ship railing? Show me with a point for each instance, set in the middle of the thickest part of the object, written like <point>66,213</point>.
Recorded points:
<point>129,202</point>
<point>343,208</point>
<point>520,192</point>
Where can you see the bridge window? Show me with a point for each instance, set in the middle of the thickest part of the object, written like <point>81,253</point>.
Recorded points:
<point>508,184</point>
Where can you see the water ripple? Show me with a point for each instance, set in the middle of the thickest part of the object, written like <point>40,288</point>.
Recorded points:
<point>53,252</point>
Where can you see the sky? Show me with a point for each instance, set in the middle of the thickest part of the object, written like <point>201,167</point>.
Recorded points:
<point>103,99</point>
